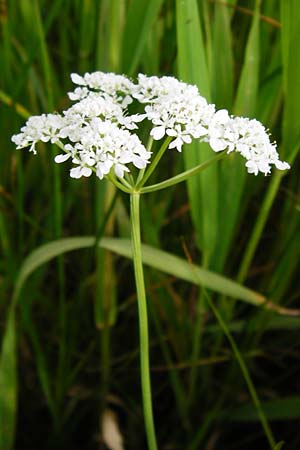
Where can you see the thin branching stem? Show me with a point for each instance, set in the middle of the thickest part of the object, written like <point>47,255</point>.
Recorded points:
<point>154,163</point>
<point>182,176</point>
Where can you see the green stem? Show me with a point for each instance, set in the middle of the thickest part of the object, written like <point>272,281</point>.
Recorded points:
<point>182,176</point>
<point>117,183</point>
<point>198,328</point>
<point>142,171</point>
<point>259,226</point>
<point>155,161</point>
<point>143,319</point>
<point>243,367</point>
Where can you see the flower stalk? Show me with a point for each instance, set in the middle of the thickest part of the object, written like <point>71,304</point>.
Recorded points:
<point>143,319</point>
<point>183,176</point>
<point>155,161</point>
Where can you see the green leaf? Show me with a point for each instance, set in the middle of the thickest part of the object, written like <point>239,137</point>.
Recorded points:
<point>8,384</point>
<point>86,33</point>
<point>140,18</point>
<point>158,259</point>
<point>109,35</point>
<point>222,58</point>
<point>246,98</point>
<point>290,19</point>
<point>192,66</point>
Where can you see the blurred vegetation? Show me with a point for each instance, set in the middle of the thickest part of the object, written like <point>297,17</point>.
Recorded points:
<point>70,332</point>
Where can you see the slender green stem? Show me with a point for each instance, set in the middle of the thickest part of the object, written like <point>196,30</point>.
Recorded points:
<point>127,183</point>
<point>143,319</point>
<point>117,183</point>
<point>245,372</point>
<point>198,328</point>
<point>155,161</point>
<point>182,176</point>
<point>142,171</point>
<point>259,226</point>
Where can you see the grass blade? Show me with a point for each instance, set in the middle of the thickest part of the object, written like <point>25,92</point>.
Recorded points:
<point>222,71</point>
<point>8,384</point>
<point>140,18</point>
<point>158,259</point>
<point>290,19</point>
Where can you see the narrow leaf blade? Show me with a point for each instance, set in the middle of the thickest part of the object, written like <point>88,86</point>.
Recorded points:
<point>8,384</point>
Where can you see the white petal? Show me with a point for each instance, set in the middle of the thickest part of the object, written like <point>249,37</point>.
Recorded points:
<point>139,162</point>
<point>75,172</point>
<point>99,173</point>
<point>77,79</point>
<point>252,167</point>
<point>264,167</point>
<point>103,168</point>
<point>158,132</point>
<point>107,165</point>
<point>120,169</point>
<point>199,131</point>
<point>86,171</point>
<point>138,117</point>
<point>62,158</point>
<point>73,96</point>
<point>32,148</point>
<point>176,143</point>
<point>282,165</point>
<point>217,144</point>
<point>221,116</point>
<point>126,101</point>
<point>171,132</point>
<point>243,149</point>
<point>187,139</point>
<point>125,157</point>
<point>45,138</point>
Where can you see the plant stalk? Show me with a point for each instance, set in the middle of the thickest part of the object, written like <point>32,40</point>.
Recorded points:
<point>143,319</point>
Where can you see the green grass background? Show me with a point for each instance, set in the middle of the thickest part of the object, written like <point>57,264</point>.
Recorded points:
<point>68,315</point>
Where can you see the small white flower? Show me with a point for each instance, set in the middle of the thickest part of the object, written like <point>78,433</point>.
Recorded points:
<point>120,169</point>
<point>281,165</point>
<point>252,167</point>
<point>81,171</point>
<point>103,167</point>
<point>182,137</point>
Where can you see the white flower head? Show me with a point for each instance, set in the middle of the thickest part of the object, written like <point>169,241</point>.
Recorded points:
<point>98,133</point>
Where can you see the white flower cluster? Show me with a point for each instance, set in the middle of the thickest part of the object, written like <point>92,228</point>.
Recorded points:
<point>175,108</point>
<point>97,131</point>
